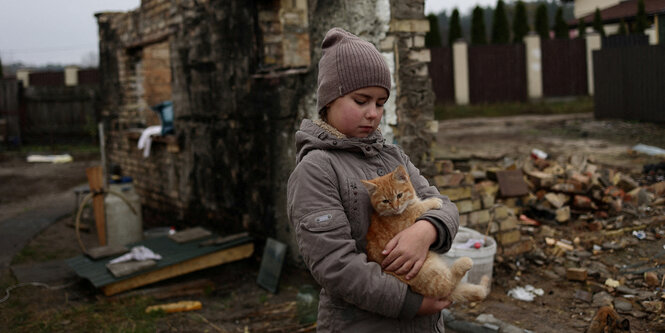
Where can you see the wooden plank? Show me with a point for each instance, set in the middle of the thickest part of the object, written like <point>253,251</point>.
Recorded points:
<point>208,260</point>
<point>96,181</point>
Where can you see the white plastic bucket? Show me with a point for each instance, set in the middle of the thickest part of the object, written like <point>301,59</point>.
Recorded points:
<point>483,258</point>
<point>123,226</point>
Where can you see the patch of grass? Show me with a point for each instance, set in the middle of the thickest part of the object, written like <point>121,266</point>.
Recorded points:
<point>55,149</point>
<point>558,106</point>
<point>127,315</point>
<point>32,253</point>
<point>60,148</point>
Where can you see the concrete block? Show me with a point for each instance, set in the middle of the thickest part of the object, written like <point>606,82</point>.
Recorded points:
<point>463,220</point>
<point>508,237</point>
<point>457,193</point>
<point>387,44</point>
<point>501,212</point>
<point>477,204</point>
<point>464,206</point>
<point>507,224</point>
<point>479,217</point>
<point>409,26</point>
<point>420,55</point>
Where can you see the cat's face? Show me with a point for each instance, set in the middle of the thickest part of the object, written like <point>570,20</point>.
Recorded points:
<point>392,193</point>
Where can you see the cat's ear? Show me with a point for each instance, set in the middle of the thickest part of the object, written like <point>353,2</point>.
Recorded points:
<point>400,174</point>
<point>371,188</point>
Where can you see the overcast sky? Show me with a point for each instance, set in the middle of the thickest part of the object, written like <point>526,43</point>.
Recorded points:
<point>39,32</point>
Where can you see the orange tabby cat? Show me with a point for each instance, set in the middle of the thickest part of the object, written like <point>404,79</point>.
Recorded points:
<point>396,207</point>
<point>607,320</point>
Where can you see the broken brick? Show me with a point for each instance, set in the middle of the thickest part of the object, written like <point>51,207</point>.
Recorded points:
<point>651,279</point>
<point>517,248</point>
<point>511,183</point>
<point>583,202</point>
<point>626,182</point>
<point>556,199</point>
<point>563,214</point>
<point>576,274</point>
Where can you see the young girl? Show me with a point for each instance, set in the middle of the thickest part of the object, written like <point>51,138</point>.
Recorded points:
<point>330,210</point>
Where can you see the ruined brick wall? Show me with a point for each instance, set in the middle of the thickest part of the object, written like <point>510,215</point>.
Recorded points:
<point>415,101</point>
<point>242,76</point>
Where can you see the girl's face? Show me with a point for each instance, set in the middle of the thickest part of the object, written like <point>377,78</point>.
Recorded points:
<point>358,113</point>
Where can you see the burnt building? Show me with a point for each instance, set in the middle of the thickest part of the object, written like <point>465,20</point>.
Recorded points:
<point>241,75</point>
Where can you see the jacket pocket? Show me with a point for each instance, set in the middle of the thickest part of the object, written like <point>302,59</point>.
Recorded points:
<point>320,233</point>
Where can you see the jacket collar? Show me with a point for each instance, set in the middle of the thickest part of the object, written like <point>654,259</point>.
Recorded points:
<point>317,134</point>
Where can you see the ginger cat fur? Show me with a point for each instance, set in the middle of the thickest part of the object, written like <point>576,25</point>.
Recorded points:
<point>607,320</point>
<point>396,207</point>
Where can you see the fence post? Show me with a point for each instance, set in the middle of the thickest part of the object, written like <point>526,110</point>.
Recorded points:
<point>534,67</point>
<point>592,43</point>
<point>461,72</point>
<point>71,75</point>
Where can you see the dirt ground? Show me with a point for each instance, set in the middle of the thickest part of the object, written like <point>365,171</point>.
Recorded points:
<point>233,302</point>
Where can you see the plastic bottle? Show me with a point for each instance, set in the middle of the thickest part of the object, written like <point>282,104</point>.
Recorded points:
<point>307,304</point>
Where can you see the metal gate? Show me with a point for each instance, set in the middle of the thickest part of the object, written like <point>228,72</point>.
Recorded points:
<point>564,67</point>
<point>441,72</point>
<point>630,83</point>
<point>497,73</point>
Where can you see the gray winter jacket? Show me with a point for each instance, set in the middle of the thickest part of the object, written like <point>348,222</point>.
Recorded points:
<point>330,212</point>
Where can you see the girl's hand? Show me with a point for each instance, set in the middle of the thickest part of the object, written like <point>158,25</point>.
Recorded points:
<point>431,305</point>
<point>406,252</point>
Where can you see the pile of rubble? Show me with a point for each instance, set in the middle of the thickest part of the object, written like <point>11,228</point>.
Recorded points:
<point>564,214</point>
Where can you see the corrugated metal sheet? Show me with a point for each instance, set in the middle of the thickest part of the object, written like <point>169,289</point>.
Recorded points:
<point>172,253</point>
<point>630,83</point>
<point>497,73</point>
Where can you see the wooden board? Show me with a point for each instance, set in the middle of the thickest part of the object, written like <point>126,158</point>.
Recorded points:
<point>96,182</point>
<point>177,259</point>
<point>271,265</point>
<point>209,260</point>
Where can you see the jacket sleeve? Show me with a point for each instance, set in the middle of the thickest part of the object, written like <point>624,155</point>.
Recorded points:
<point>324,239</point>
<point>444,219</point>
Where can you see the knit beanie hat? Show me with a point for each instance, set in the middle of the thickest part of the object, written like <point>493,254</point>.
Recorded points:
<point>348,63</point>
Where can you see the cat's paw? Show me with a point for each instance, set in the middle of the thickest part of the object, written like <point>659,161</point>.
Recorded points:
<point>433,203</point>
<point>463,264</point>
<point>485,282</point>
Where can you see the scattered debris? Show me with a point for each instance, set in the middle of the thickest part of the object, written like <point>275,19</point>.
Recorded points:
<point>649,150</point>
<point>526,293</point>
<point>63,158</point>
<point>175,307</point>
<point>579,220</point>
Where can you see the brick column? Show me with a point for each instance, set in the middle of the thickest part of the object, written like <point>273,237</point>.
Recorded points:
<point>534,68</point>
<point>23,75</point>
<point>592,43</point>
<point>461,72</point>
<point>71,76</point>
<point>415,98</point>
